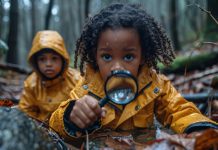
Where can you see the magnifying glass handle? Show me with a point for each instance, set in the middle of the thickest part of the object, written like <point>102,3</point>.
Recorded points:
<point>103,101</point>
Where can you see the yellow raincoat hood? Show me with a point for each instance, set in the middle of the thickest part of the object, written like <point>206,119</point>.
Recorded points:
<point>41,97</point>
<point>48,39</point>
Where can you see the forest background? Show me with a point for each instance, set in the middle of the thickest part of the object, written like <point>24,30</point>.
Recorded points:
<point>189,23</point>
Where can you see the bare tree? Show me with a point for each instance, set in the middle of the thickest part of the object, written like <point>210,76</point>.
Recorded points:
<point>87,3</point>
<point>48,15</point>
<point>13,32</point>
<point>33,18</point>
<point>173,25</point>
<point>1,14</point>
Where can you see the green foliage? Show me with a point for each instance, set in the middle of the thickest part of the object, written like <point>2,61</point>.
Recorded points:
<point>197,62</point>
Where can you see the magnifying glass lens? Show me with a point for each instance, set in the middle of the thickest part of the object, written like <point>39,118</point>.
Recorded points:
<point>121,88</point>
<point>121,95</point>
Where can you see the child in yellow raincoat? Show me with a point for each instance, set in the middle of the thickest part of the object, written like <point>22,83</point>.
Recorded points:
<point>124,37</point>
<point>52,79</point>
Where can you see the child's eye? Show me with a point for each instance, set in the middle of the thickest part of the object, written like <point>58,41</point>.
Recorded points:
<point>42,59</point>
<point>55,58</point>
<point>129,57</point>
<point>106,57</point>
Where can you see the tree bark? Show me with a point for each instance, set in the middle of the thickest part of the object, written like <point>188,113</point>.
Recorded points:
<point>1,16</point>
<point>173,24</point>
<point>48,15</point>
<point>13,32</point>
<point>87,3</point>
<point>33,18</point>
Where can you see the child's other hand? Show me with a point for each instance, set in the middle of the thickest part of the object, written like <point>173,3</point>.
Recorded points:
<point>86,111</point>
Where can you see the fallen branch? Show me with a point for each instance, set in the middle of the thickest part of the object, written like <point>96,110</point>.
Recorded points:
<point>200,97</point>
<point>211,43</point>
<point>191,62</point>
<point>15,68</point>
<point>196,76</point>
<point>7,100</point>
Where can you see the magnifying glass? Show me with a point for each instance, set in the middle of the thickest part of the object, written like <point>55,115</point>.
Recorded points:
<point>121,87</point>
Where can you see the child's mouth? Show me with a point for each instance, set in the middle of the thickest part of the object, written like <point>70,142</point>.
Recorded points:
<point>49,71</point>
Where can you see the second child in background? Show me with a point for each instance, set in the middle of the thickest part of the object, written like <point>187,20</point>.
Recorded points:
<point>52,79</point>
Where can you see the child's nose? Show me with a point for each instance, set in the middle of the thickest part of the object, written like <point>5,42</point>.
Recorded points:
<point>117,66</point>
<point>48,62</point>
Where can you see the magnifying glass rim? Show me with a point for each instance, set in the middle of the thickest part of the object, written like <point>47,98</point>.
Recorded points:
<point>120,72</point>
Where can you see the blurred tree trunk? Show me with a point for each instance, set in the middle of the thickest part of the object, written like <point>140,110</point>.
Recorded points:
<point>13,32</point>
<point>212,6</point>
<point>66,16</point>
<point>24,24</point>
<point>33,18</point>
<point>1,16</point>
<point>79,6</point>
<point>48,15</point>
<point>87,3</point>
<point>173,25</point>
<point>212,27</point>
<point>191,21</point>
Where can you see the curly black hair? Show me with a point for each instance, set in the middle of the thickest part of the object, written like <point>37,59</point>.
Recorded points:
<point>155,44</point>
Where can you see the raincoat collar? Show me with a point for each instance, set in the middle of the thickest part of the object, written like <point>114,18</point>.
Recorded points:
<point>95,82</point>
<point>50,83</point>
<point>95,85</point>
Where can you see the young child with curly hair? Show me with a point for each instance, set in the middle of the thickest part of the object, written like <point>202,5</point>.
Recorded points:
<point>124,37</point>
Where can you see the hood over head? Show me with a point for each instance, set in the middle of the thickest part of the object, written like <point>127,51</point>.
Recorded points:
<point>48,39</point>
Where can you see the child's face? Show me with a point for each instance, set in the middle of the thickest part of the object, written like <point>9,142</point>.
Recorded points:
<point>49,64</point>
<point>119,49</point>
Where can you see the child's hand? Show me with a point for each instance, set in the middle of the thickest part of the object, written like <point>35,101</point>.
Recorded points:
<point>86,111</point>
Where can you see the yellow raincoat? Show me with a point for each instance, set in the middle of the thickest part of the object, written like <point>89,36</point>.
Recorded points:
<point>156,97</point>
<point>41,97</point>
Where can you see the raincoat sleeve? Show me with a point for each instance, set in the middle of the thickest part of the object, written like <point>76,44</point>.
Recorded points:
<point>56,121</point>
<point>59,118</point>
<point>27,102</point>
<point>174,111</point>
